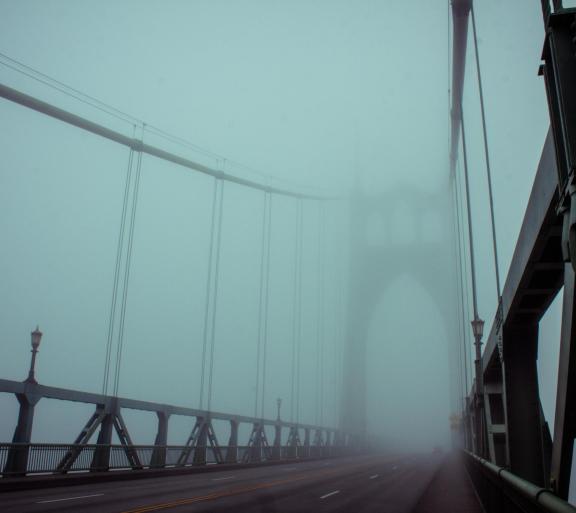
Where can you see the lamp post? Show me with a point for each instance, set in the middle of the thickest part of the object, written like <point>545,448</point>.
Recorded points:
<point>279,405</point>
<point>478,330</point>
<point>36,337</point>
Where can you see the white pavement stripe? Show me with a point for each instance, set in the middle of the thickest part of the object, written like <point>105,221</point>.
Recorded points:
<point>374,476</point>
<point>223,478</point>
<point>71,498</point>
<point>329,494</point>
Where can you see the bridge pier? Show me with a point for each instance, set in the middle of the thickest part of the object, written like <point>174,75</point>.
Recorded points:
<point>565,417</point>
<point>232,451</point>
<point>201,441</point>
<point>306,448</point>
<point>523,410</point>
<point>101,457</point>
<point>293,442</point>
<point>158,459</point>
<point>277,450</point>
<point>17,460</point>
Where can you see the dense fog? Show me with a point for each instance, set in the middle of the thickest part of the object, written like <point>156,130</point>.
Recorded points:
<point>341,301</point>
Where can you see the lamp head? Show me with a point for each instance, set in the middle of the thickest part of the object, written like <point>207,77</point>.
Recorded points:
<point>36,337</point>
<point>478,327</point>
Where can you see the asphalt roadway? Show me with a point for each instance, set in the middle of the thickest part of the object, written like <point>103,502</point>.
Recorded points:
<point>382,483</point>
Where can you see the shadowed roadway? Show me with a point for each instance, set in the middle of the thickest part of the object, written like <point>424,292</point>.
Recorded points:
<point>392,484</point>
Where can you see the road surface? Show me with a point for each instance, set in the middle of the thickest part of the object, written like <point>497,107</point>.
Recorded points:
<point>382,483</point>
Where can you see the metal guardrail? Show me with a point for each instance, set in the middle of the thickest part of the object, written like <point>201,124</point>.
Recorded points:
<point>502,491</point>
<point>46,458</point>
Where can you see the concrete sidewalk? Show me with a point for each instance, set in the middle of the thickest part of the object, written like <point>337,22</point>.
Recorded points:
<point>450,490</point>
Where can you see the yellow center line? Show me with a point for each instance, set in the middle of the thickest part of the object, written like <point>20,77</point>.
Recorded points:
<point>232,491</point>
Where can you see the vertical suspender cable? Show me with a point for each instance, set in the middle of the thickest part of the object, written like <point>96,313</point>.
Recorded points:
<point>207,297</point>
<point>215,302</point>
<point>296,318</point>
<point>294,301</point>
<point>266,303</point>
<point>263,299</point>
<point>320,320</point>
<point>127,268</point>
<point>119,248</point>
<point>299,316</point>
<point>461,385</point>
<point>260,303</point>
<point>465,268</point>
<point>461,276</point>
<point>470,234</point>
<point>487,157</point>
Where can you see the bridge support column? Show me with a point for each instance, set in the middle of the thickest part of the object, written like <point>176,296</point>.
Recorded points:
<point>306,443</point>
<point>329,442</point>
<point>159,454</point>
<point>101,458</point>
<point>293,442</point>
<point>200,447</point>
<point>17,461</point>
<point>496,423</point>
<point>523,411</point>
<point>277,451</point>
<point>565,416</point>
<point>232,451</point>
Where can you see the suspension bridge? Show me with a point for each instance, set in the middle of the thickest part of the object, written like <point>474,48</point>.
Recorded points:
<point>317,453</point>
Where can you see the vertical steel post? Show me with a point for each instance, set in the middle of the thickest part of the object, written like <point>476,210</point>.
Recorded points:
<point>158,459</point>
<point>524,427</point>
<point>565,421</point>
<point>200,448</point>
<point>232,451</point>
<point>101,457</point>
<point>306,442</point>
<point>17,460</point>
<point>479,425</point>
<point>276,454</point>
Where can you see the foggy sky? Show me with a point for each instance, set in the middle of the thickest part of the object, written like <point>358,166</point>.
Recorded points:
<point>321,95</point>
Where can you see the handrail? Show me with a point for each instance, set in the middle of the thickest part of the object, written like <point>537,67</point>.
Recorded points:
<point>41,458</point>
<point>543,498</point>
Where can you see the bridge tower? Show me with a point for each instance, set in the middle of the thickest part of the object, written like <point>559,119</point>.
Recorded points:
<point>403,231</point>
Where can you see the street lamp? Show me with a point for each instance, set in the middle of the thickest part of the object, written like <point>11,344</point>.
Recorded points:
<point>279,405</point>
<point>477,328</point>
<point>36,337</point>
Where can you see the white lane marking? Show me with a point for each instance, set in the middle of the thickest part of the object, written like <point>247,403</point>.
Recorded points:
<point>71,498</point>
<point>222,478</point>
<point>329,494</point>
<point>327,464</point>
<point>374,476</point>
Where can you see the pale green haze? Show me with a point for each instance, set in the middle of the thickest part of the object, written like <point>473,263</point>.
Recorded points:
<point>339,98</point>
